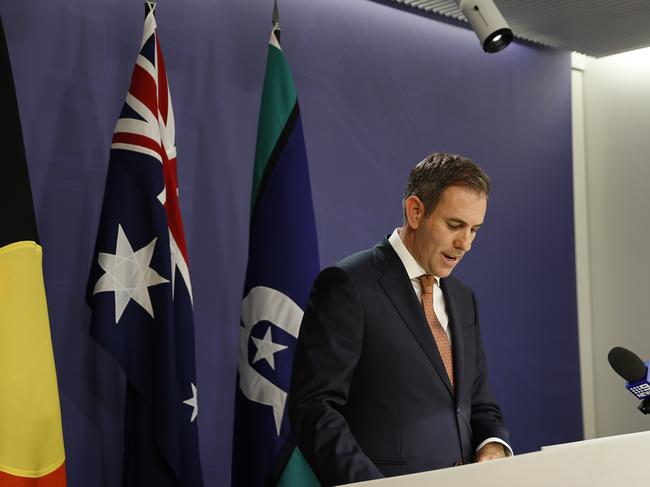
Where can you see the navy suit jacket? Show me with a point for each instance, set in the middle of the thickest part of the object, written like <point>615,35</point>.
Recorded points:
<point>369,393</point>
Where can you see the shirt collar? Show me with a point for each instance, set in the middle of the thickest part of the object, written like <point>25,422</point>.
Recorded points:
<point>413,269</point>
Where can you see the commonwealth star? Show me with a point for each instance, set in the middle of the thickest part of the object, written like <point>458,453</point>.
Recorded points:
<point>128,275</point>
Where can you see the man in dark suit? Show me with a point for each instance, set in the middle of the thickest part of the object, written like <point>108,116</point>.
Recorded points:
<point>389,375</point>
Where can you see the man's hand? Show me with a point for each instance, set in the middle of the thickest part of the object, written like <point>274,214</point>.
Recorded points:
<point>490,451</point>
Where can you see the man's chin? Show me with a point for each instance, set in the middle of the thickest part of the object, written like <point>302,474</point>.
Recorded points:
<point>442,273</point>
<point>445,270</point>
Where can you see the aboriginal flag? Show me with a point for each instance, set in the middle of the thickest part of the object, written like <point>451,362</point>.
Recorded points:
<point>31,437</point>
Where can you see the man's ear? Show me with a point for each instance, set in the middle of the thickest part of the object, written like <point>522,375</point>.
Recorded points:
<point>413,211</point>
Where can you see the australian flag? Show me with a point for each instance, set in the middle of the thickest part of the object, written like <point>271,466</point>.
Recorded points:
<point>139,285</point>
<point>282,264</point>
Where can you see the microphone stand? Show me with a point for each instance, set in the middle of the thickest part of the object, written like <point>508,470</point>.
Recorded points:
<point>644,407</point>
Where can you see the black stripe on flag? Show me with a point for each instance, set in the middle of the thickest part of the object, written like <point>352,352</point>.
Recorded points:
<point>277,152</point>
<point>17,220</point>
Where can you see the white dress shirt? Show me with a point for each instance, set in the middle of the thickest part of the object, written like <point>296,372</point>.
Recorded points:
<point>414,271</point>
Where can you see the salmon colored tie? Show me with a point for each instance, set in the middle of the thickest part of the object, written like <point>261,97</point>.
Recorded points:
<point>439,334</point>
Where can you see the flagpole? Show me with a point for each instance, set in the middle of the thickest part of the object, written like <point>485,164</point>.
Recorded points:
<point>276,15</point>
<point>275,21</point>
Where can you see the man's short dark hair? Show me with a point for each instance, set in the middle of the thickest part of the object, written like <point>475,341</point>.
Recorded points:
<point>431,176</point>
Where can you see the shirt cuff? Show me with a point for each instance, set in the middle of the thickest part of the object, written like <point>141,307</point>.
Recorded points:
<point>494,439</point>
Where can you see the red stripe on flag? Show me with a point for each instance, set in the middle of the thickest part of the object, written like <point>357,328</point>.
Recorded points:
<point>143,87</point>
<point>52,479</point>
<point>136,139</point>
<point>163,101</point>
<point>172,206</point>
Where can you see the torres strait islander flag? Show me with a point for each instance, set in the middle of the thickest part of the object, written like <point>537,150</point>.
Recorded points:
<point>139,285</point>
<point>31,438</point>
<point>282,264</point>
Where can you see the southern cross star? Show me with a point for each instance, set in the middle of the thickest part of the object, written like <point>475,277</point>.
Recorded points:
<point>128,274</point>
<point>266,348</point>
<point>192,401</point>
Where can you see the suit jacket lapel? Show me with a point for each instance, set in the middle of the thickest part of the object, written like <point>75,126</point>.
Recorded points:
<point>452,304</point>
<point>399,290</point>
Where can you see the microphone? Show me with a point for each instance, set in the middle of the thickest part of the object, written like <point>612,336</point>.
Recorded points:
<point>635,372</point>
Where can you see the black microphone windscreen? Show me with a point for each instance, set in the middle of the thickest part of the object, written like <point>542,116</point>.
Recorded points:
<point>626,364</point>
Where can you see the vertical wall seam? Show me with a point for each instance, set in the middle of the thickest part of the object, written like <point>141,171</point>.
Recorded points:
<point>582,247</point>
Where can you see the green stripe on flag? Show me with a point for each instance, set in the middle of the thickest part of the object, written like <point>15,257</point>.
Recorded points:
<point>278,99</point>
<point>297,473</point>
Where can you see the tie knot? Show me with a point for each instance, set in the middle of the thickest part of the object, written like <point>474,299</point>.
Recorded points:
<point>427,281</point>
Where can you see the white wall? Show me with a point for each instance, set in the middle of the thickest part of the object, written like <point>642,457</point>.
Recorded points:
<point>611,133</point>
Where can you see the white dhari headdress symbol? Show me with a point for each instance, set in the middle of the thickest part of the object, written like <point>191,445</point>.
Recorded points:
<point>265,304</point>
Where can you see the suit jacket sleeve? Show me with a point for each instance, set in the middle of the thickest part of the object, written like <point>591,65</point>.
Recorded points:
<point>328,349</point>
<point>486,417</point>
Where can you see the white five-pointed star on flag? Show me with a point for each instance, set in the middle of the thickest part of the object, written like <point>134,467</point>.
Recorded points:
<point>127,273</point>
<point>192,401</point>
<point>266,348</point>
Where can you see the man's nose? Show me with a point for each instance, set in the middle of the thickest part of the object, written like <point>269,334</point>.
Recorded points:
<point>464,241</point>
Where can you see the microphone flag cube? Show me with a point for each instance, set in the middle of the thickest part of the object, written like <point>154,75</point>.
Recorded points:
<point>640,388</point>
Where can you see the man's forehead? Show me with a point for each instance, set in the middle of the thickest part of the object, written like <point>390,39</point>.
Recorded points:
<point>462,204</point>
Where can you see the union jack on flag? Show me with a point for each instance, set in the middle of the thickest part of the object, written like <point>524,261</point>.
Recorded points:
<point>139,286</point>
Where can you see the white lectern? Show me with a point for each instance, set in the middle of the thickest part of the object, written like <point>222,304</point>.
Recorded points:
<point>604,462</point>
